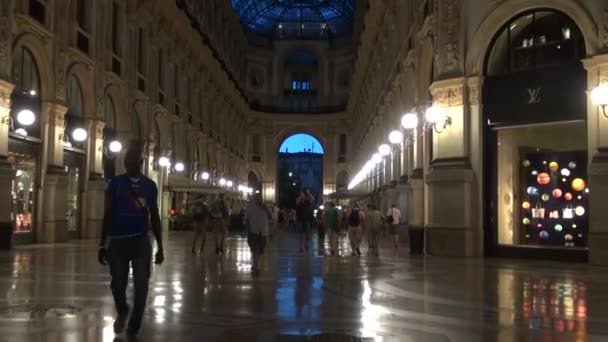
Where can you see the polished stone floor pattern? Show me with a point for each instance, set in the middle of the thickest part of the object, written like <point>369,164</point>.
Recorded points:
<point>60,293</point>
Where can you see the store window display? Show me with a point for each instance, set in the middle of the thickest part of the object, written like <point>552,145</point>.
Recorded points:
<point>542,185</point>
<point>22,191</point>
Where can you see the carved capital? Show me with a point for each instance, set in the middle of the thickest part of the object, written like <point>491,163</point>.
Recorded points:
<point>448,93</point>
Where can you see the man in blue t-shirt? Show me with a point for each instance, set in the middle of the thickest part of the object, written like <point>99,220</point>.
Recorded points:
<point>130,207</point>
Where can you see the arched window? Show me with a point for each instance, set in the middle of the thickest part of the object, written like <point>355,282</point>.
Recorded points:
<point>25,72</point>
<point>534,40</point>
<point>136,127</point>
<point>109,112</point>
<point>74,97</point>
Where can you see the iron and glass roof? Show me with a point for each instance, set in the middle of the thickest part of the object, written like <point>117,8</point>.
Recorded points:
<point>297,19</point>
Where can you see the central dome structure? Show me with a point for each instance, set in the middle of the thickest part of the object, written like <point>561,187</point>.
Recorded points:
<point>296,19</point>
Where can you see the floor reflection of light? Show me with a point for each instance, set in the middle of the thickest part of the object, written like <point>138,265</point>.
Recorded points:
<point>160,315</point>
<point>371,313</point>
<point>177,296</point>
<point>159,300</point>
<point>107,334</point>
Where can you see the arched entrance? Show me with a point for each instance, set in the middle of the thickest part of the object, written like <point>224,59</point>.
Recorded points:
<point>299,166</point>
<point>536,139</point>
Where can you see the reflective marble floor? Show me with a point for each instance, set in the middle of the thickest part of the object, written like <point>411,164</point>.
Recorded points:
<point>60,293</point>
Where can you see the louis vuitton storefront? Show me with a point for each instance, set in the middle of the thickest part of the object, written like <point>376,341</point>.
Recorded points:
<point>535,109</point>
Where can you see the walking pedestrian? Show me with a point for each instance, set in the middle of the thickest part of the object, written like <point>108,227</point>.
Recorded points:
<point>374,226</point>
<point>219,219</point>
<point>320,222</point>
<point>304,217</point>
<point>393,217</point>
<point>200,212</point>
<point>332,224</point>
<point>355,220</point>
<point>130,204</point>
<point>257,217</point>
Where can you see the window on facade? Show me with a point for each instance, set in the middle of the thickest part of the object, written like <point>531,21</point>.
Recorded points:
<point>300,85</point>
<point>256,153</point>
<point>74,97</point>
<point>535,40</point>
<point>83,21</point>
<point>161,77</point>
<point>37,10</point>
<point>115,38</point>
<point>342,148</point>
<point>25,73</point>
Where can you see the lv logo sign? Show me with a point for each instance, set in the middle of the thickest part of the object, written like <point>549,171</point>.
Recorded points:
<point>533,95</point>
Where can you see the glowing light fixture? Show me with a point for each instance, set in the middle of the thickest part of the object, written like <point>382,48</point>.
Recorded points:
<point>599,96</point>
<point>179,167</point>
<point>26,117</point>
<point>229,183</point>
<point>376,158</point>
<point>80,134</point>
<point>409,121</point>
<point>395,137</point>
<point>384,150</point>
<point>115,146</point>
<point>21,131</point>
<point>164,162</point>
<point>222,181</point>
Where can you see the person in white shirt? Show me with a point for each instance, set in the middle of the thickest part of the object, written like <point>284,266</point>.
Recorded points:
<point>393,216</point>
<point>256,219</point>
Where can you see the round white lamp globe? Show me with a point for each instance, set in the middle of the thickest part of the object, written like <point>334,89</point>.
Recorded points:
<point>179,167</point>
<point>26,117</point>
<point>164,162</point>
<point>80,134</point>
<point>115,146</point>
<point>395,137</point>
<point>409,121</point>
<point>205,175</point>
<point>384,150</point>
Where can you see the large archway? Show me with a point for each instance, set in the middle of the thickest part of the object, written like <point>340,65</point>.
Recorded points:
<point>299,166</point>
<point>537,149</point>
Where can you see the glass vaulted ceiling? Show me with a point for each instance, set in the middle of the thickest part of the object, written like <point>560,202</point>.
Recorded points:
<point>297,19</point>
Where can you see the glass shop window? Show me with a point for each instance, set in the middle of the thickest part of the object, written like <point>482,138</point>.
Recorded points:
<point>543,197</point>
<point>22,191</point>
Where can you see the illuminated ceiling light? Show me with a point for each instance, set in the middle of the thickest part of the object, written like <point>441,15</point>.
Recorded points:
<point>164,162</point>
<point>80,134</point>
<point>179,167</point>
<point>409,121</point>
<point>115,146</point>
<point>384,150</point>
<point>26,117</point>
<point>395,137</point>
<point>205,175</point>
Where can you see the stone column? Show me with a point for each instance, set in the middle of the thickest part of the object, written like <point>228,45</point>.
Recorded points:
<point>53,224</point>
<point>597,136</point>
<point>452,188</point>
<point>96,184</point>
<point>7,174</point>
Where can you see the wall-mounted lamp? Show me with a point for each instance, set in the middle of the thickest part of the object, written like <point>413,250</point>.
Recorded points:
<point>164,162</point>
<point>395,137</point>
<point>115,146</point>
<point>599,96</point>
<point>409,121</point>
<point>205,176</point>
<point>229,183</point>
<point>222,181</point>
<point>179,167</point>
<point>384,150</point>
<point>437,118</point>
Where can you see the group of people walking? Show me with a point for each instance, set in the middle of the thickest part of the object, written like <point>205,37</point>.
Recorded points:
<point>358,221</point>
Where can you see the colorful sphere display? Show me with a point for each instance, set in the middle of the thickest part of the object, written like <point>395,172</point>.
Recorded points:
<point>565,172</point>
<point>558,228</point>
<point>553,166</point>
<point>568,237</point>
<point>544,178</point>
<point>532,191</point>
<point>568,196</point>
<point>578,184</point>
<point>572,165</point>
<point>526,220</point>
<point>544,235</point>
<point>557,193</point>
<point>525,205</point>
<point>579,211</point>
<point>526,163</point>
<point>545,197</point>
